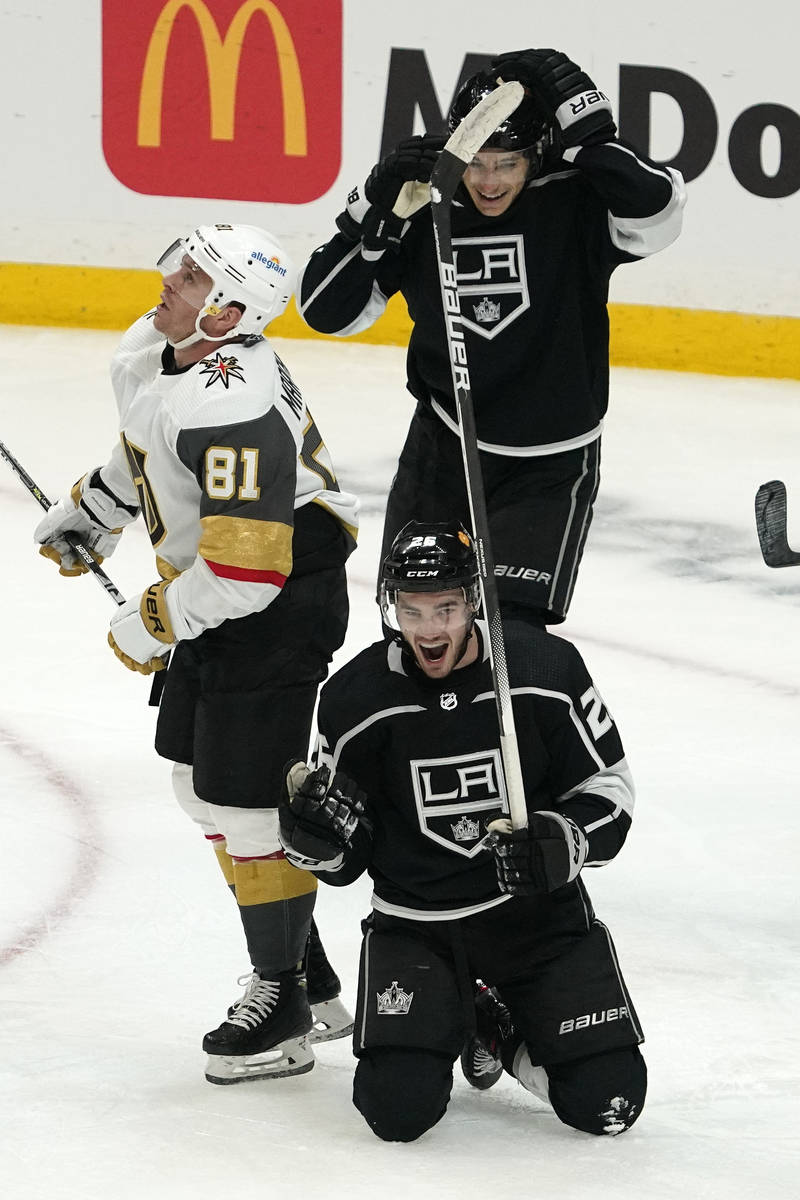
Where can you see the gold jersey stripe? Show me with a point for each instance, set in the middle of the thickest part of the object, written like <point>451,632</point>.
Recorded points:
<point>243,542</point>
<point>269,880</point>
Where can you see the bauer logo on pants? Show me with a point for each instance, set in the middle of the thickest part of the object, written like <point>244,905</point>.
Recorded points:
<point>230,99</point>
<point>457,797</point>
<point>492,282</point>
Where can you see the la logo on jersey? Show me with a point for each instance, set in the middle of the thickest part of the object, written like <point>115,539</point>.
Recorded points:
<point>492,282</point>
<point>457,797</point>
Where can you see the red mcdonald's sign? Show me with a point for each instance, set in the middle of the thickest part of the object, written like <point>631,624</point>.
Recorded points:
<point>224,99</point>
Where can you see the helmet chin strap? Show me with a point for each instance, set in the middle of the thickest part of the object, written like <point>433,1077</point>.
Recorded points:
<point>465,643</point>
<point>199,335</point>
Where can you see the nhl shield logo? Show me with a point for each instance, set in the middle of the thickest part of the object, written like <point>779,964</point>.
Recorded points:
<point>492,282</point>
<point>457,797</point>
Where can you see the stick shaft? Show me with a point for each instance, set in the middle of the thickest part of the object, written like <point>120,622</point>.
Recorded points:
<point>471,134</point>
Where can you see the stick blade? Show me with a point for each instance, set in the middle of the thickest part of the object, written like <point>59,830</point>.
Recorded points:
<point>771,514</point>
<point>464,143</point>
<point>481,121</point>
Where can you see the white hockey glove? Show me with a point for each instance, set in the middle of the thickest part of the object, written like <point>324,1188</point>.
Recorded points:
<point>317,816</point>
<point>93,513</point>
<point>542,858</point>
<point>141,631</point>
<point>580,110</point>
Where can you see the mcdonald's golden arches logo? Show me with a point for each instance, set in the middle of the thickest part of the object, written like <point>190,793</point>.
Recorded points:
<point>225,99</point>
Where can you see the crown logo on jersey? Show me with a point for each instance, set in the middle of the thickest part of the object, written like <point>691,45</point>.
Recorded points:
<point>487,312</point>
<point>395,1001</point>
<point>466,830</point>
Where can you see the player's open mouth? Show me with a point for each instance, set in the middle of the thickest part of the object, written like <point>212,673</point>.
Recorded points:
<point>435,653</point>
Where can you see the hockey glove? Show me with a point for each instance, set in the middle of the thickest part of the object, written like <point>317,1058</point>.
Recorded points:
<point>92,512</point>
<point>542,858</point>
<point>141,631</point>
<point>400,184</point>
<point>581,111</point>
<point>397,188</point>
<point>318,816</point>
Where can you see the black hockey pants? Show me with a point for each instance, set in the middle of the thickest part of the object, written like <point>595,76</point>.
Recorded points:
<point>403,1093</point>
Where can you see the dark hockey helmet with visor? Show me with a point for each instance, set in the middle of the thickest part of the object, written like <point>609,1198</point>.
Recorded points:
<point>430,557</point>
<point>527,128</point>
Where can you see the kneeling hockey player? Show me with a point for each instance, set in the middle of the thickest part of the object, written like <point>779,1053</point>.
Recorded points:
<point>483,945</point>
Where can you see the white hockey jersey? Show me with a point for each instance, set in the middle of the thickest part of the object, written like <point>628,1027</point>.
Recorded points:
<point>219,456</point>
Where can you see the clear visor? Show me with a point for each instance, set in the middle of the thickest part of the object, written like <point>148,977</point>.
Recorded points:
<point>426,614</point>
<point>185,277</point>
<point>505,163</point>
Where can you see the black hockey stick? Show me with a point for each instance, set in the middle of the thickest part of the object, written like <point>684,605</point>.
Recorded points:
<point>465,142</point>
<point>771,525</point>
<point>72,538</point>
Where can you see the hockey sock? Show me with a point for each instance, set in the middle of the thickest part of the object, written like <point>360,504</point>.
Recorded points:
<point>275,902</point>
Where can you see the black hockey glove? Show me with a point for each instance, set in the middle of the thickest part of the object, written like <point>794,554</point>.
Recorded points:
<point>317,816</point>
<point>397,189</point>
<point>541,858</point>
<point>581,111</point>
<point>400,185</point>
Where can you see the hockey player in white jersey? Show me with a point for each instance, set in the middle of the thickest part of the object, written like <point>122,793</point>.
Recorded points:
<point>220,455</point>
<point>408,780</point>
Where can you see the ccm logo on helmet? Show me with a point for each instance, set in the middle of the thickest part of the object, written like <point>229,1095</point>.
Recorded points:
<point>271,263</point>
<point>422,574</point>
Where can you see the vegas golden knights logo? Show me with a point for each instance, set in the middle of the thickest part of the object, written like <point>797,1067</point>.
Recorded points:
<point>137,459</point>
<point>235,99</point>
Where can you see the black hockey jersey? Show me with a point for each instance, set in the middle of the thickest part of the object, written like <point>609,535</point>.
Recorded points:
<point>426,753</point>
<point>533,284</point>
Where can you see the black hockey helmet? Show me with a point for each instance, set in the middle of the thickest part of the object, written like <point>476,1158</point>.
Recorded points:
<point>427,556</point>
<point>527,128</point>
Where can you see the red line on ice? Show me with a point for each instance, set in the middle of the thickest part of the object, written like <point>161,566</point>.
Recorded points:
<point>86,838</point>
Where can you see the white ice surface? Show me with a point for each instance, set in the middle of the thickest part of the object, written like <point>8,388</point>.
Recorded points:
<point>119,945</point>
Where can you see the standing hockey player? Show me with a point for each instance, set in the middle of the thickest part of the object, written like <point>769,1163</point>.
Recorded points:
<point>409,778</point>
<point>547,210</point>
<point>220,455</point>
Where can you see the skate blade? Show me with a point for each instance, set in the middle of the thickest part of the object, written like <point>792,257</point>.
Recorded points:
<point>292,1057</point>
<point>331,1021</point>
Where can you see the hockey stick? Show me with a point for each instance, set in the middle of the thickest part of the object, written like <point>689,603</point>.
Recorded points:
<point>771,525</point>
<point>72,538</point>
<point>476,127</point>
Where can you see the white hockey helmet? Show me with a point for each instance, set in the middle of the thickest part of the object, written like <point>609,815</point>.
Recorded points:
<point>247,266</point>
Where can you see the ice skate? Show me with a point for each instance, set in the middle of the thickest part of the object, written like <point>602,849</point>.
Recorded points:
<point>331,1019</point>
<point>480,1058</point>
<point>265,1034</point>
